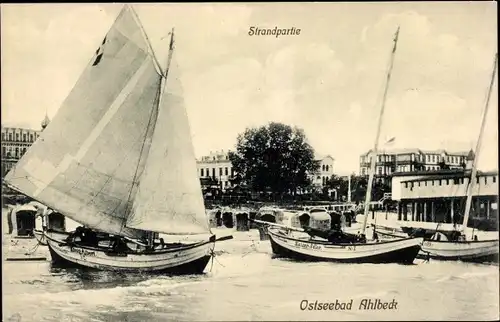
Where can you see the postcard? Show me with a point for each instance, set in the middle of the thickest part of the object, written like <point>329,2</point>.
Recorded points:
<point>250,161</point>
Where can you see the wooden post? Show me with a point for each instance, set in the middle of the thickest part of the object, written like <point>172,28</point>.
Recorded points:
<point>488,208</point>
<point>452,211</point>
<point>433,215</point>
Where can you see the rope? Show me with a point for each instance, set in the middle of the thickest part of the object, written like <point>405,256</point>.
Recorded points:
<point>253,247</point>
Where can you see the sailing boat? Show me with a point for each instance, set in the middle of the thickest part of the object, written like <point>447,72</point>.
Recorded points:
<point>343,247</point>
<point>464,248</point>
<point>118,158</point>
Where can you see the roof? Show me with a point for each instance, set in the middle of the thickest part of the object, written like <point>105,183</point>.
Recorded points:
<point>318,156</point>
<point>417,151</point>
<point>461,174</point>
<point>428,173</point>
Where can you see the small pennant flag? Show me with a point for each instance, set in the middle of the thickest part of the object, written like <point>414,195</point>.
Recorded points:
<point>391,140</point>
<point>99,52</point>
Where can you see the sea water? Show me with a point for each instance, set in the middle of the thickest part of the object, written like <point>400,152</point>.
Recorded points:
<point>244,282</point>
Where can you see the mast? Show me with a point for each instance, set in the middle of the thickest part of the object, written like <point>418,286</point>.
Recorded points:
<point>377,136</point>
<point>145,35</point>
<point>472,180</point>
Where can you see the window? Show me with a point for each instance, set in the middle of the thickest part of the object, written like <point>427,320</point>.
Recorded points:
<point>220,172</point>
<point>380,170</point>
<point>485,180</point>
<point>213,172</point>
<point>3,136</point>
<point>4,152</point>
<point>447,181</point>
<point>477,179</point>
<point>24,137</point>
<point>202,172</point>
<point>439,181</point>
<point>10,136</point>
<point>494,179</point>
<point>323,167</point>
<point>225,171</point>
<point>326,167</point>
<point>425,183</point>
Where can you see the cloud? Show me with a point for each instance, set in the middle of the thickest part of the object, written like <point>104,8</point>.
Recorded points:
<point>328,81</point>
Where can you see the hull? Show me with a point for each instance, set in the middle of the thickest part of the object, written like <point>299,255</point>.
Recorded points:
<point>467,251</point>
<point>403,251</point>
<point>183,259</point>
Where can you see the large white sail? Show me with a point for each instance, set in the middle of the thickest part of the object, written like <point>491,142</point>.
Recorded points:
<point>169,199</point>
<point>86,164</point>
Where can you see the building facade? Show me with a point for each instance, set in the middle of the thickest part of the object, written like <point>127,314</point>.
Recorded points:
<point>15,143</point>
<point>325,172</point>
<point>441,198</point>
<point>411,160</point>
<point>218,167</point>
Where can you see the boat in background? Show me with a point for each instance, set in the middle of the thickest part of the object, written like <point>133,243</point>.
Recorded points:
<point>118,158</point>
<point>460,244</point>
<point>325,244</point>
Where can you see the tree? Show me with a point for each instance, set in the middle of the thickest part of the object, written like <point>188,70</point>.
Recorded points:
<point>341,185</point>
<point>275,158</point>
<point>443,166</point>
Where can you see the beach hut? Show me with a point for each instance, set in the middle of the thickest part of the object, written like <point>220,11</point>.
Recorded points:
<point>267,214</point>
<point>227,218</point>
<point>291,219</point>
<point>23,220</point>
<point>304,219</point>
<point>320,219</point>
<point>56,221</point>
<point>242,220</point>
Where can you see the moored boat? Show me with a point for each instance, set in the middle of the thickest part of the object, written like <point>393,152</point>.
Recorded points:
<point>118,159</point>
<point>401,251</point>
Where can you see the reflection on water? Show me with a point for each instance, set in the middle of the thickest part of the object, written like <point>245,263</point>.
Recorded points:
<point>252,286</point>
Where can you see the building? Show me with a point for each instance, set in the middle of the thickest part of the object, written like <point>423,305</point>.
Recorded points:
<point>325,172</point>
<point>411,160</point>
<point>218,167</point>
<point>15,142</point>
<point>439,196</point>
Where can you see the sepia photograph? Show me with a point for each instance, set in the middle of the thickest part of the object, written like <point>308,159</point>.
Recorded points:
<point>301,161</point>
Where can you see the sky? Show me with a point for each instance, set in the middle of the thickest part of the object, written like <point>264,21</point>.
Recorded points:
<point>328,80</point>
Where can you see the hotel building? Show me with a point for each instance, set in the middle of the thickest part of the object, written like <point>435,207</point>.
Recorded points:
<point>411,160</point>
<point>15,142</point>
<point>218,167</point>
<point>440,196</point>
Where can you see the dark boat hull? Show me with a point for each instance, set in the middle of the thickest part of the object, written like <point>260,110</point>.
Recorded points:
<point>177,260</point>
<point>403,251</point>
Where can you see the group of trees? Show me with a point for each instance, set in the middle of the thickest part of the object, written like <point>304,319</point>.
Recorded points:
<point>276,160</point>
<point>359,185</point>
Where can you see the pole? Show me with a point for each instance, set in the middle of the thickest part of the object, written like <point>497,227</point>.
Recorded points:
<point>377,136</point>
<point>349,189</point>
<point>473,175</point>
